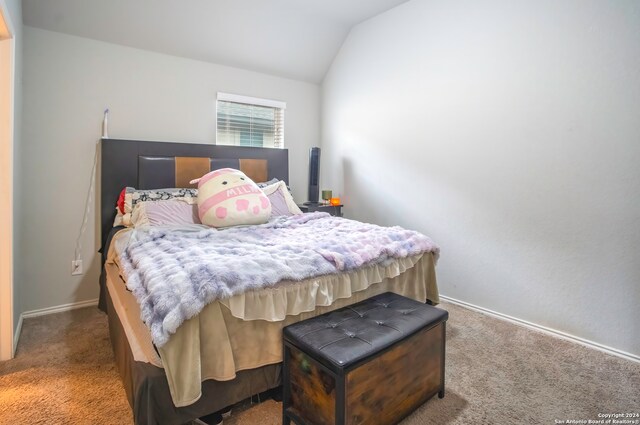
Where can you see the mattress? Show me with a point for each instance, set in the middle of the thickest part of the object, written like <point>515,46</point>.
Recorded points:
<point>244,331</point>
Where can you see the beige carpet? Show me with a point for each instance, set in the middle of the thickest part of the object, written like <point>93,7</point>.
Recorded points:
<point>63,373</point>
<point>497,373</point>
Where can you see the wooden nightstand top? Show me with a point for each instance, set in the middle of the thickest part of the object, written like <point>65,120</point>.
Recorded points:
<point>335,210</point>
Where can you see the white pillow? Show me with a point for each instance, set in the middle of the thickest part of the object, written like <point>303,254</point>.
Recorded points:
<point>281,188</point>
<point>169,212</point>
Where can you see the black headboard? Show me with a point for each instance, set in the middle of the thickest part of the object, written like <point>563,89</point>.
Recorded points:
<point>120,161</point>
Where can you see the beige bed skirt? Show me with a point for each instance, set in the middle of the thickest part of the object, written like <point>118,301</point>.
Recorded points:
<point>245,331</point>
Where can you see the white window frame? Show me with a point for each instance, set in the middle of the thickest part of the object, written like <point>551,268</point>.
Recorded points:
<point>248,100</point>
<point>251,100</point>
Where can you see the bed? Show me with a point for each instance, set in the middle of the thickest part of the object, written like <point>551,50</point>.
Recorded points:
<point>232,349</point>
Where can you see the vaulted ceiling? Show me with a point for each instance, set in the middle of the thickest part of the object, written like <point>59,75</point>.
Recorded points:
<point>290,38</point>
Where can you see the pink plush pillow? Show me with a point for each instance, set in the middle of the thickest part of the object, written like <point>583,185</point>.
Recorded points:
<point>227,197</point>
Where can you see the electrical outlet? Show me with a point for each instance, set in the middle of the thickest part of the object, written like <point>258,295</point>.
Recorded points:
<point>76,267</point>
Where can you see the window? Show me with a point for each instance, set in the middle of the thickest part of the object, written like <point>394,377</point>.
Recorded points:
<point>249,121</point>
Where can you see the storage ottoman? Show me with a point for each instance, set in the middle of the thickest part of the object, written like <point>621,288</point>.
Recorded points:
<point>373,362</point>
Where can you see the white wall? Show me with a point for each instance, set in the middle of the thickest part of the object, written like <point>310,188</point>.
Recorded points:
<point>68,81</point>
<point>510,133</point>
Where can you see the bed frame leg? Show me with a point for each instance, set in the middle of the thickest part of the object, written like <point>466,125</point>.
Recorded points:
<point>442,359</point>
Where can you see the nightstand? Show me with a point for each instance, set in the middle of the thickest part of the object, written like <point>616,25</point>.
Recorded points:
<point>335,210</point>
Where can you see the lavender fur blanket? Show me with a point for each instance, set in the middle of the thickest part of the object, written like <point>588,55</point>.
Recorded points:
<point>174,274</point>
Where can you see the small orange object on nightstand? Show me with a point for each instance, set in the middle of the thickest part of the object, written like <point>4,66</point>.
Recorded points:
<point>334,201</point>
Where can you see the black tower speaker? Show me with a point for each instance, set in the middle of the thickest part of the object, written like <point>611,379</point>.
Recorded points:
<point>314,176</point>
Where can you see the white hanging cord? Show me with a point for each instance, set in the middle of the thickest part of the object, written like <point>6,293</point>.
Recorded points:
<point>87,207</point>
<point>92,182</point>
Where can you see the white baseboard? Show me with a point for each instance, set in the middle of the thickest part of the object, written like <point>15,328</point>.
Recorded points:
<point>16,336</point>
<point>48,310</point>
<point>544,329</point>
<point>59,308</point>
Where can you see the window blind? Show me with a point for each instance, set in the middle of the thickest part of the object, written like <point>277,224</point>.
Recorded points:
<point>249,124</point>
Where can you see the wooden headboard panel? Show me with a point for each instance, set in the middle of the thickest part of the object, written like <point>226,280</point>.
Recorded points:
<point>155,165</point>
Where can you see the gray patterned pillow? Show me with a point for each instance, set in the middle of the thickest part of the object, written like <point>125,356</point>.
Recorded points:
<point>134,196</point>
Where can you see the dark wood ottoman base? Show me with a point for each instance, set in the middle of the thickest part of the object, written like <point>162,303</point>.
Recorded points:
<point>370,363</point>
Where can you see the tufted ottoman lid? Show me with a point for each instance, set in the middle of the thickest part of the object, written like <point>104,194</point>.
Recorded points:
<point>345,336</point>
